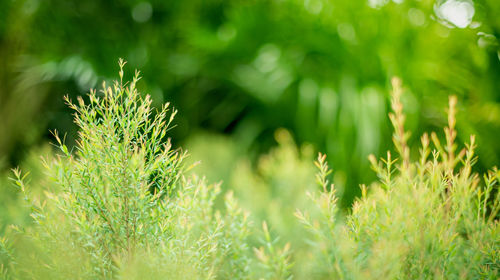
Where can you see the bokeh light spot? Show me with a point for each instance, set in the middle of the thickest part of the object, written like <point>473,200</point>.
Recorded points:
<point>416,17</point>
<point>142,12</point>
<point>458,13</point>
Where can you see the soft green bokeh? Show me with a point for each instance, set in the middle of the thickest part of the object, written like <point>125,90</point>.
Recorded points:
<point>245,68</point>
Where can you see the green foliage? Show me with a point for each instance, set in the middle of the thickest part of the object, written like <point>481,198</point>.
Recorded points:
<point>123,207</point>
<point>275,187</point>
<point>271,189</point>
<point>318,68</point>
<point>429,219</point>
<point>11,203</point>
<point>275,261</point>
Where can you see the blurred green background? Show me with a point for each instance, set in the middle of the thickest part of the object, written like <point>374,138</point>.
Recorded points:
<point>240,70</point>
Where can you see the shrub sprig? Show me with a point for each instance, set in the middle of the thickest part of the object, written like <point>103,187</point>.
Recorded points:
<point>430,218</point>
<point>124,206</point>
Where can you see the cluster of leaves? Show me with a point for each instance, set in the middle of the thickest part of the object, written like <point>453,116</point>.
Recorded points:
<point>122,206</point>
<point>431,218</point>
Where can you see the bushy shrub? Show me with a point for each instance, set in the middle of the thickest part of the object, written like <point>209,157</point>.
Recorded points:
<point>276,186</point>
<point>426,219</point>
<point>122,206</point>
<point>272,188</point>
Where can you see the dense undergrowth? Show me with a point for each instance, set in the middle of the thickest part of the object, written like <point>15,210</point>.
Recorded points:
<point>122,205</point>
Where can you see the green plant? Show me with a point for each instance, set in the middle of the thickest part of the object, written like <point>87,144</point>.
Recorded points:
<point>318,68</point>
<point>121,206</point>
<point>428,219</point>
<point>271,190</point>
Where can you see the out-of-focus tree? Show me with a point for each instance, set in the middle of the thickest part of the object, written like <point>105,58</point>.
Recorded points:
<point>245,68</point>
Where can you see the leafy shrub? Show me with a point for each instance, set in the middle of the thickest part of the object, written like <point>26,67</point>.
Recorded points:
<point>272,188</point>
<point>276,186</point>
<point>11,210</point>
<point>429,218</point>
<point>123,208</point>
